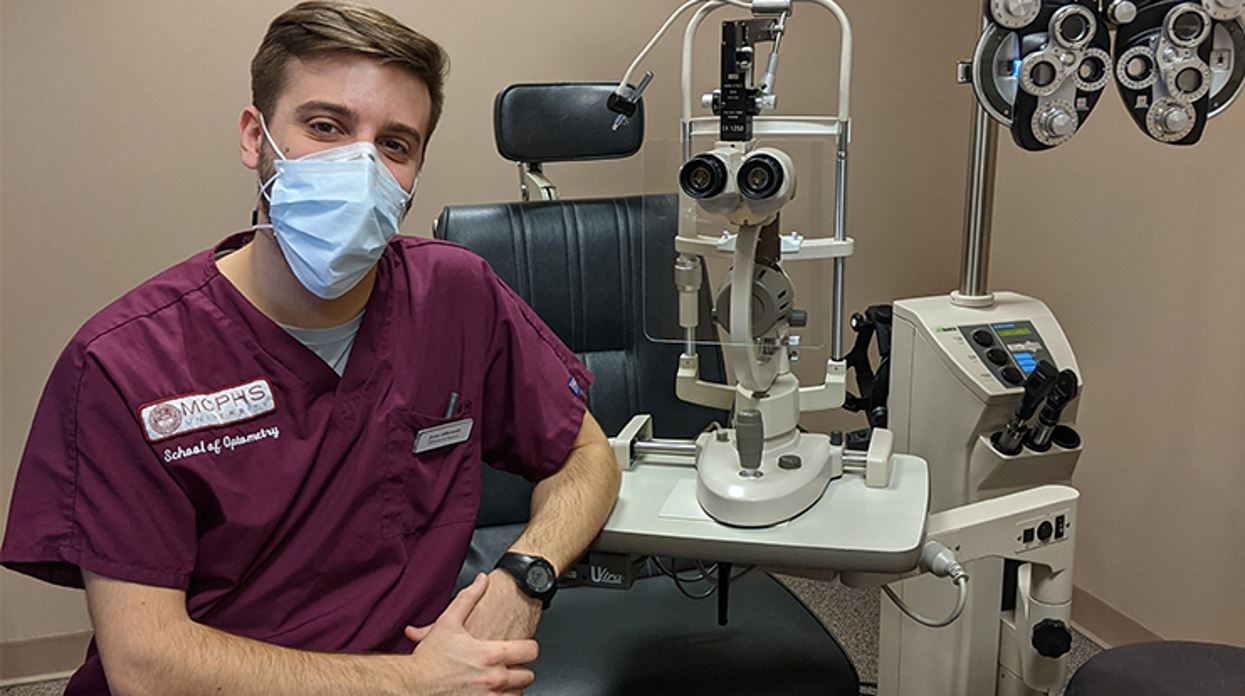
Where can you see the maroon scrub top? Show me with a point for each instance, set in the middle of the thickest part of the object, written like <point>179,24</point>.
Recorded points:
<point>184,440</point>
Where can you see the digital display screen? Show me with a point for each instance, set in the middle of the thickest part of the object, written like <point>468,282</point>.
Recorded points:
<point>1007,333</point>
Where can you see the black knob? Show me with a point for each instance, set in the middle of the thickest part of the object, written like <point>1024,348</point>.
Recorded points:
<point>998,356</point>
<point>1012,375</point>
<point>798,318</point>
<point>1045,531</point>
<point>790,462</point>
<point>983,338</point>
<point>1051,638</point>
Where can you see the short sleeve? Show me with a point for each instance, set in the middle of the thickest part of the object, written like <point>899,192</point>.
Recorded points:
<point>91,494</point>
<point>534,399</point>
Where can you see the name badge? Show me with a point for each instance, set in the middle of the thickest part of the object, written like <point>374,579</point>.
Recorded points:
<point>442,436</point>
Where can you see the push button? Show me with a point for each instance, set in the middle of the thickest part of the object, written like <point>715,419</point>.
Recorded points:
<point>1012,376</point>
<point>983,338</point>
<point>1061,525</point>
<point>998,356</point>
<point>1027,535</point>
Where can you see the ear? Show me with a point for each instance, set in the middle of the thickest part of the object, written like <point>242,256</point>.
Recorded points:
<point>250,137</point>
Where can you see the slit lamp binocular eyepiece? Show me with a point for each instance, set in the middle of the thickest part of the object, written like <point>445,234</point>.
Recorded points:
<point>747,188</point>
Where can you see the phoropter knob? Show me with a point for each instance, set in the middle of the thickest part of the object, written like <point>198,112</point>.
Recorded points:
<point>1122,11</point>
<point>1174,120</point>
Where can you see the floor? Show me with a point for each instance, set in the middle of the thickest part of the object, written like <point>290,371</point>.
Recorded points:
<point>851,614</point>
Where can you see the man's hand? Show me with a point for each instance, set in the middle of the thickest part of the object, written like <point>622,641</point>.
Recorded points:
<point>150,646</point>
<point>505,612</point>
<point>454,660</point>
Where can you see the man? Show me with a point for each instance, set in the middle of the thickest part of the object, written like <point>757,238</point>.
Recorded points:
<point>262,463</point>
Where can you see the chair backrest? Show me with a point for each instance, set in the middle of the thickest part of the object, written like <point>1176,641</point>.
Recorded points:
<point>595,271</point>
<point>534,124</point>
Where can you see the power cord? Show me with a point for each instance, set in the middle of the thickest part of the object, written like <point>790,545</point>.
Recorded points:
<point>961,583</point>
<point>940,561</point>
<point>622,84</point>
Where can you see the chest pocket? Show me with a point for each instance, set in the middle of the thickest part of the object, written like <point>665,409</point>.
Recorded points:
<point>439,483</point>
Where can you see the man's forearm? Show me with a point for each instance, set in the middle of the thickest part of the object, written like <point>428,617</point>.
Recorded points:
<point>191,658</point>
<point>570,507</point>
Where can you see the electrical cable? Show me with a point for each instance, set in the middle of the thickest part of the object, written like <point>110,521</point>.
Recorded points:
<point>706,575</point>
<point>686,593</point>
<point>622,84</point>
<point>961,582</point>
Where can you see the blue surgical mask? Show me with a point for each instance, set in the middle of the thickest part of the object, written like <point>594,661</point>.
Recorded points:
<point>333,213</point>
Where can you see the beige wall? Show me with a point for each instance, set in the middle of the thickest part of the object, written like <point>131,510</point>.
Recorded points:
<point>119,155</point>
<point>4,468</point>
<point>1139,249</point>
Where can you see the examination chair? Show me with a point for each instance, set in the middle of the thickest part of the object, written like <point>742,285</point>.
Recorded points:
<point>1174,668</point>
<point>583,266</point>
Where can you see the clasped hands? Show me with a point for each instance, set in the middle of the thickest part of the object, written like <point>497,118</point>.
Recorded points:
<point>482,642</point>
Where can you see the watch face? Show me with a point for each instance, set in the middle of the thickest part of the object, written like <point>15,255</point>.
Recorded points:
<point>539,578</point>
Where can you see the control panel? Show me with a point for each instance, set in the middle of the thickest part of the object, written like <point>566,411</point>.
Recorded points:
<point>1039,531</point>
<point>1010,349</point>
<point>988,350</point>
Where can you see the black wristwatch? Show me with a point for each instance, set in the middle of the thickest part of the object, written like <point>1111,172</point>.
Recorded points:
<point>534,575</point>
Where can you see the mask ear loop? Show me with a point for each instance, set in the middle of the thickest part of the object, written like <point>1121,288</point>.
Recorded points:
<point>263,125</point>
<point>265,185</point>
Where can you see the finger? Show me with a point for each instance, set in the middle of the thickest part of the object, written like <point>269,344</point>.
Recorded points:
<point>519,679</point>
<point>461,607</point>
<point>418,633</point>
<point>515,652</point>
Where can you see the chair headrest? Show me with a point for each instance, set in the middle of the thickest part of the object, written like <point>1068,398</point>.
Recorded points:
<point>562,122</point>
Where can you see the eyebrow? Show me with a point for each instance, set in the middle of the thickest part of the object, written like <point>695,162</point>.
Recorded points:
<point>345,113</point>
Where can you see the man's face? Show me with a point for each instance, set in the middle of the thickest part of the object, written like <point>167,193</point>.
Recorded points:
<point>338,99</point>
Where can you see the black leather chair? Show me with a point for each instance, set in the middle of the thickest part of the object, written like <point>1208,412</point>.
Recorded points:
<point>1174,668</point>
<point>583,266</point>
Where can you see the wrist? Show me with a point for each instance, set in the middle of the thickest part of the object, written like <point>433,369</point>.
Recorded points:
<point>506,583</point>
<point>398,674</point>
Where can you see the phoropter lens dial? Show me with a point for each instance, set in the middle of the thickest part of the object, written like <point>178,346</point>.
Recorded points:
<point>1187,25</point>
<point>1073,26</point>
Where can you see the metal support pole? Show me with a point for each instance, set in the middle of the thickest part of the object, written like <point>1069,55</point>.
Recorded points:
<point>677,448</point>
<point>840,234</point>
<point>685,143</point>
<point>979,206</point>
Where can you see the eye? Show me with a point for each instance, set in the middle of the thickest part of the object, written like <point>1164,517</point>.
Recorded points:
<point>395,147</point>
<point>323,128</point>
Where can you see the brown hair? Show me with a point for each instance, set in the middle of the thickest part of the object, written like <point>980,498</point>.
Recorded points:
<point>328,26</point>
